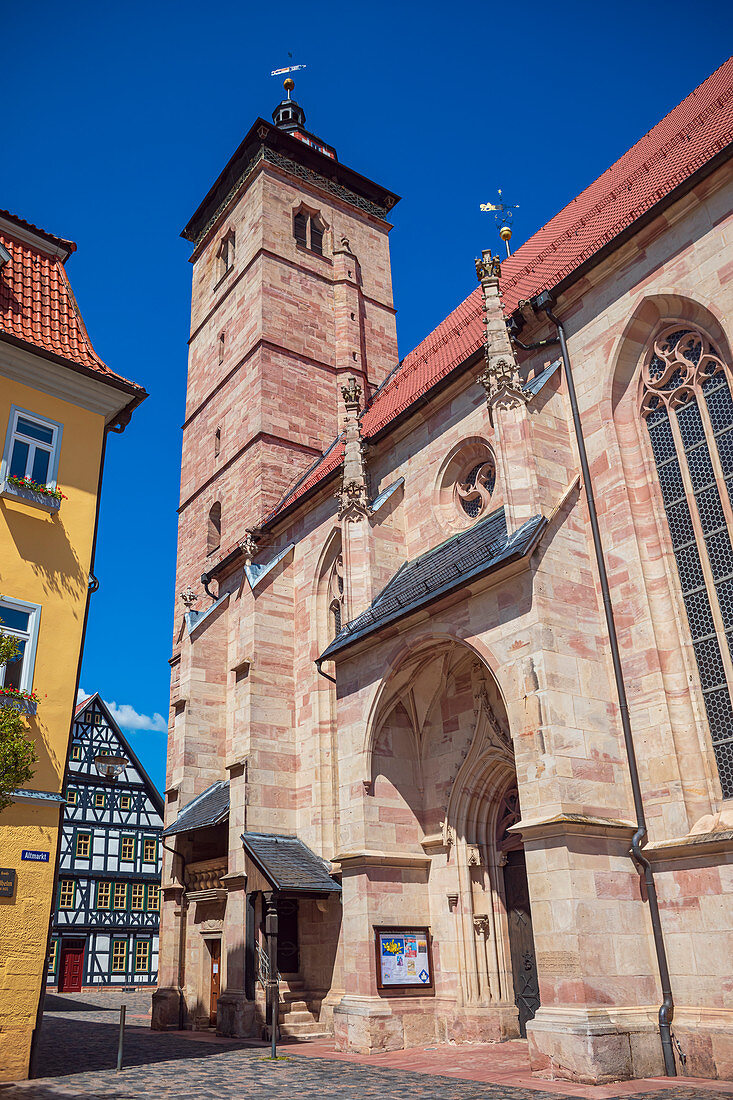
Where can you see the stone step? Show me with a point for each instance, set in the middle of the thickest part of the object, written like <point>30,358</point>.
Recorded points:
<point>312,1030</point>
<point>296,1006</point>
<point>304,1017</point>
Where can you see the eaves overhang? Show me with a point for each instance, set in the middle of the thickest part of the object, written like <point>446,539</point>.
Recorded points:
<point>264,135</point>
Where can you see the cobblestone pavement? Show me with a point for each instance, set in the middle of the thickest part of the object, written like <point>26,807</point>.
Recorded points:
<point>78,1047</point>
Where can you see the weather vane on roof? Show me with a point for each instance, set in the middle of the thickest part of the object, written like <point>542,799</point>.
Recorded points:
<point>287,69</point>
<point>503,215</point>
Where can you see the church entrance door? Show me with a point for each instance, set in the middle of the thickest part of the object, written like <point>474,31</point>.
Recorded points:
<point>521,939</point>
<point>288,956</point>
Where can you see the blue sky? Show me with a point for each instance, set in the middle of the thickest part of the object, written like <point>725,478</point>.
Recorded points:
<point>118,117</point>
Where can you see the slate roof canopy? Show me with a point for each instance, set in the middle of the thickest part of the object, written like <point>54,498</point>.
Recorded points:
<point>210,808</point>
<point>480,549</point>
<point>289,864</point>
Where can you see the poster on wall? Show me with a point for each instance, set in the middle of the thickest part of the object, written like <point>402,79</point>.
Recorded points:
<point>404,958</point>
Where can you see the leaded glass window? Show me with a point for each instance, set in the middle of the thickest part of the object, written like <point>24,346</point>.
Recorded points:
<point>688,410</point>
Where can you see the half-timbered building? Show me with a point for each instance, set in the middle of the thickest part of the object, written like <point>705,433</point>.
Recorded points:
<point>107,907</point>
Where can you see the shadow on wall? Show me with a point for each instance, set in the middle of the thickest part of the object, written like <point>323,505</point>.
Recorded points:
<point>65,577</point>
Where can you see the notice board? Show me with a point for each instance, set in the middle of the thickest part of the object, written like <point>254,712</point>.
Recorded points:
<point>404,958</point>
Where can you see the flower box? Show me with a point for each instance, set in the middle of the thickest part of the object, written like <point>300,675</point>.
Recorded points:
<point>24,701</point>
<point>33,493</point>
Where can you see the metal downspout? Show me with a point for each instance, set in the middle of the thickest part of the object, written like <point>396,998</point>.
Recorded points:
<point>544,303</point>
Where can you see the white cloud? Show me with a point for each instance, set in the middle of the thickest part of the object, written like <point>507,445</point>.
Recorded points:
<point>126,716</point>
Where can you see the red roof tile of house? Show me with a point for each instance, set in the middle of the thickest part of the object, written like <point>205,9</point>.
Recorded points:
<point>685,140</point>
<point>80,705</point>
<point>37,304</point>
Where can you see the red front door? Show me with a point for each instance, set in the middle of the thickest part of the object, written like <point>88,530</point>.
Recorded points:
<point>72,965</point>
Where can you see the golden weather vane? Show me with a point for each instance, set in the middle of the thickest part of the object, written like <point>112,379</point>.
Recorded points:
<point>288,68</point>
<point>503,215</point>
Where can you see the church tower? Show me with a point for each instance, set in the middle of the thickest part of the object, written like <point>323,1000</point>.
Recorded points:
<point>292,293</point>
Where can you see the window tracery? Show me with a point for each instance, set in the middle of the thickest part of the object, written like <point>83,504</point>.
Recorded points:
<point>688,409</point>
<point>473,494</point>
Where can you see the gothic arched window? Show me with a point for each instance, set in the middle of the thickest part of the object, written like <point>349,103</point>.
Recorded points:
<point>225,255</point>
<point>213,538</point>
<point>308,230</point>
<point>688,410</point>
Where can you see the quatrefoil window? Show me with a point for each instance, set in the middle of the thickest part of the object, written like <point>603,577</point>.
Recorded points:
<point>473,493</point>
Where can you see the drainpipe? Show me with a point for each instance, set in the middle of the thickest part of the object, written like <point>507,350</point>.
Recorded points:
<point>543,303</point>
<point>181,933</point>
<point>319,666</point>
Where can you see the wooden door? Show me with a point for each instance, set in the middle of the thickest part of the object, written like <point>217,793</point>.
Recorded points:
<point>215,950</point>
<point>288,955</point>
<point>72,967</point>
<point>521,939</point>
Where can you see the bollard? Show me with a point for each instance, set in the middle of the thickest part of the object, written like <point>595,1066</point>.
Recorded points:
<point>121,1044</point>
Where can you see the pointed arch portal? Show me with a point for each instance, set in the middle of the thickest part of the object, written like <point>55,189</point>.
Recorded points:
<point>443,781</point>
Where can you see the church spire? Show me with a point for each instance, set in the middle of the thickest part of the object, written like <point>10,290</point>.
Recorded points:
<point>289,115</point>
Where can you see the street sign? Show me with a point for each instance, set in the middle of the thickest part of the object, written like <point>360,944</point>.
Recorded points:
<point>36,857</point>
<point>7,882</point>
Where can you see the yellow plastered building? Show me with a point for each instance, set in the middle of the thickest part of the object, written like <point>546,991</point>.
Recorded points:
<point>58,401</point>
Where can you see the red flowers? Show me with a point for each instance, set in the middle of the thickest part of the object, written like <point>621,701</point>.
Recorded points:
<point>16,693</point>
<point>35,487</point>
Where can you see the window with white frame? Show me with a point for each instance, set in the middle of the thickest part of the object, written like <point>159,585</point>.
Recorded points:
<point>32,447</point>
<point>20,621</point>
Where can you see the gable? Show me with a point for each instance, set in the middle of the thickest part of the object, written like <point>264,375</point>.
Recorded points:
<point>95,732</point>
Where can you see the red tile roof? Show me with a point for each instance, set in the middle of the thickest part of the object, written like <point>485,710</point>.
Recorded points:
<point>37,304</point>
<point>686,139</point>
<point>81,705</point>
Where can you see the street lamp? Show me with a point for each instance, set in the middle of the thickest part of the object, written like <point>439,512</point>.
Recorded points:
<point>110,767</point>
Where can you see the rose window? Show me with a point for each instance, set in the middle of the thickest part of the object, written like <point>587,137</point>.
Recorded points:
<point>474,493</point>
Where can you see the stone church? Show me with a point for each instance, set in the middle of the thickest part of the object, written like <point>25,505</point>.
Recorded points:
<point>451,741</point>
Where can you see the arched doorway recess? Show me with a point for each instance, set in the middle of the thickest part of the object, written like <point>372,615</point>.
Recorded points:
<point>443,782</point>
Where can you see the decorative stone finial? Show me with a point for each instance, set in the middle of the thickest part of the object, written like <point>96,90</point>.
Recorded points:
<point>351,393</point>
<point>500,376</point>
<point>488,267</point>
<point>353,496</point>
<point>249,544</point>
<point>189,598</point>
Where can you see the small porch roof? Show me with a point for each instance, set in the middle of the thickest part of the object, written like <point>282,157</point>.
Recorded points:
<point>462,558</point>
<point>211,807</point>
<point>289,865</point>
